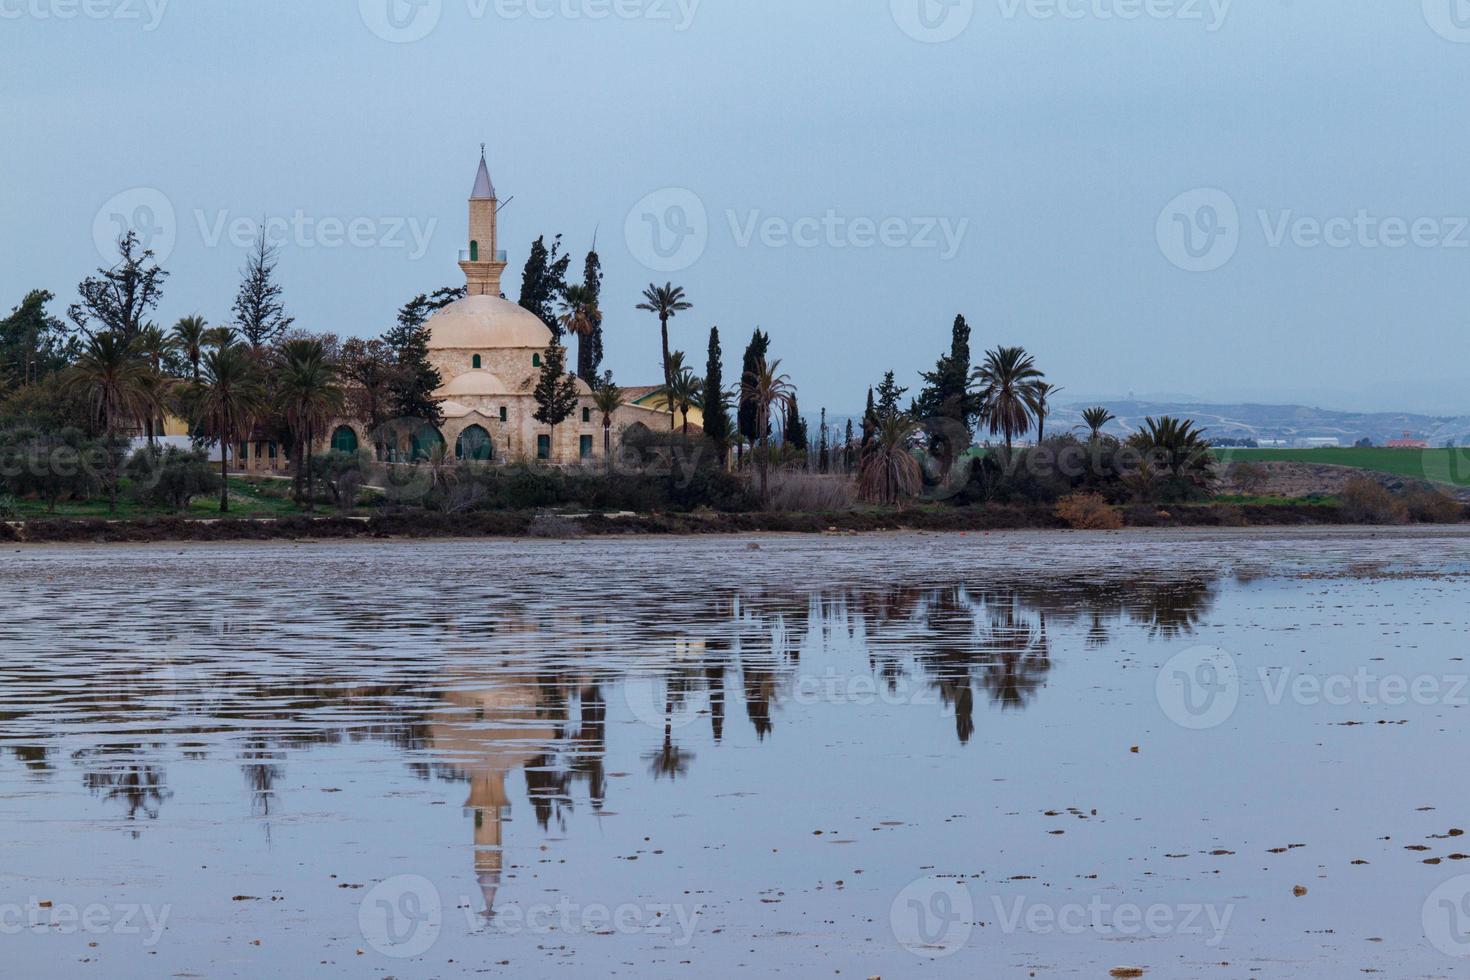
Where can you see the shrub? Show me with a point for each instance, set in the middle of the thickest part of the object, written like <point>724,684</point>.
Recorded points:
<point>171,477</point>
<point>554,526</point>
<point>810,492</point>
<point>1431,507</point>
<point>1366,501</point>
<point>9,509</point>
<point>1248,478</point>
<point>1089,512</point>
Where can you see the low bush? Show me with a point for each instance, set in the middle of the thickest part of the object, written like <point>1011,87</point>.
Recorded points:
<point>1366,501</point>
<point>810,492</point>
<point>1089,512</point>
<point>1431,507</point>
<point>171,477</point>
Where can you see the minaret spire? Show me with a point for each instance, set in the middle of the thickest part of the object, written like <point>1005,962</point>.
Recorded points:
<point>483,263</point>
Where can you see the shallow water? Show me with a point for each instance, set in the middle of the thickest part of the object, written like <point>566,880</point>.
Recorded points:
<point>905,755</point>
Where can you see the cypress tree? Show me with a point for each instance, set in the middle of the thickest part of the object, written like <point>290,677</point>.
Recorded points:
<point>946,389</point>
<point>716,417</point>
<point>824,455</point>
<point>870,421</point>
<point>589,355</point>
<point>544,281</point>
<point>847,448</point>
<point>755,353</point>
<point>795,426</point>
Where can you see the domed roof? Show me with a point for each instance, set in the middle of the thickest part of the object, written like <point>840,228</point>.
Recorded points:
<point>473,383</point>
<point>482,322</point>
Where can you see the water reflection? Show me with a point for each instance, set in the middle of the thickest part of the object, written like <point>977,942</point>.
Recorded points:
<point>473,691</point>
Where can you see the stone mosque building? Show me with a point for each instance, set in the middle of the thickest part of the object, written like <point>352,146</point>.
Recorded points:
<point>488,351</point>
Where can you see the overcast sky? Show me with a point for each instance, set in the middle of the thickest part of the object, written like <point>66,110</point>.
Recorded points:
<point>1264,200</point>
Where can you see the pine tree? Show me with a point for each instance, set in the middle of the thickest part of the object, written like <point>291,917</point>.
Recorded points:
<point>415,379</point>
<point>716,415</point>
<point>258,311</point>
<point>888,395</point>
<point>556,390</point>
<point>119,299</point>
<point>748,414</point>
<point>544,281</point>
<point>589,355</point>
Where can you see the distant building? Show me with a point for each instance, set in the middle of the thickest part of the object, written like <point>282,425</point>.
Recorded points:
<point>1407,442</point>
<point>1319,442</point>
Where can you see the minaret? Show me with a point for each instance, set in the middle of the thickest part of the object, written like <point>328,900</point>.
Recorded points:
<point>483,263</point>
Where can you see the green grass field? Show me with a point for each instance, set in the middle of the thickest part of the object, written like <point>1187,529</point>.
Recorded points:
<point>1440,465</point>
<point>248,498</point>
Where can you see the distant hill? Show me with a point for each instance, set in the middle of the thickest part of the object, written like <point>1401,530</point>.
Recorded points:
<point>1278,422</point>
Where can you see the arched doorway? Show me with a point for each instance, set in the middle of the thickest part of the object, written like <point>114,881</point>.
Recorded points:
<point>426,441</point>
<point>344,440</point>
<point>474,445</point>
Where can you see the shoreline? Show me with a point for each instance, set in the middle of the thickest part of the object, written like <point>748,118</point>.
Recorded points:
<point>524,525</point>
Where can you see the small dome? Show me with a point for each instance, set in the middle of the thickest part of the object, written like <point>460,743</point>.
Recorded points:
<point>454,410</point>
<point>486,322</point>
<point>473,383</point>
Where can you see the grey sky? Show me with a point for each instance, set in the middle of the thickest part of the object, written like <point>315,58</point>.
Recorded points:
<point>1053,143</point>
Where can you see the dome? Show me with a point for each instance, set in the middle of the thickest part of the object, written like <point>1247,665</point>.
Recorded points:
<point>483,322</point>
<point>473,383</point>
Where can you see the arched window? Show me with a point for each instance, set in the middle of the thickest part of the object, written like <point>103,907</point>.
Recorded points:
<point>475,362</point>
<point>344,440</point>
<point>474,446</point>
<point>425,442</point>
<point>535,360</point>
<point>474,251</point>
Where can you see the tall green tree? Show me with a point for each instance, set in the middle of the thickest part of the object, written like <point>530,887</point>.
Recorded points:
<point>870,421</point>
<point>666,302</point>
<point>1042,393</point>
<point>119,299</point>
<point>121,390</point>
<point>824,452</point>
<point>190,335</point>
<point>755,355</point>
<point>308,396</point>
<point>889,394</point>
<point>258,310</point>
<point>769,390</point>
<point>1096,419</point>
<point>794,426</point>
<point>33,343</point>
<point>946,391</point>
<point>368,367</point>
<point>415,379</point>
<point>686,392</point>
<point>544,281</point>
<point>608,398</point>
<point>580,316</point>
<point>556,390</point>
<point>716,414</point>
<point>228,402</point>
<point>1007,391</point>
<point>592,283</point>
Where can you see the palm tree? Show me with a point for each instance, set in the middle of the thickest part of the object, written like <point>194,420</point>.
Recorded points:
<point>767,387</point>
<point>1096,419</point>
<point>309,397</point>
<point>189,336</point>
<point>220,337</point>
<point>118,385</point>
<point>685,391</point>
<point>1007,382</point>
<point>580,316</point>
<point>155,345</point>
<point>229,400</point>
<point>889,474</point>
<point>1043,391</point>
<point>608,398</point>
<point>1179,450</point>
<point>667,301</point>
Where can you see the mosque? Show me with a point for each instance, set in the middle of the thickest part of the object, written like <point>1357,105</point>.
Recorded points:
<point>488,352</point>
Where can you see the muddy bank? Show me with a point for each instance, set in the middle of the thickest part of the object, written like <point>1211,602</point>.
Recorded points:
<point>518,524</point>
